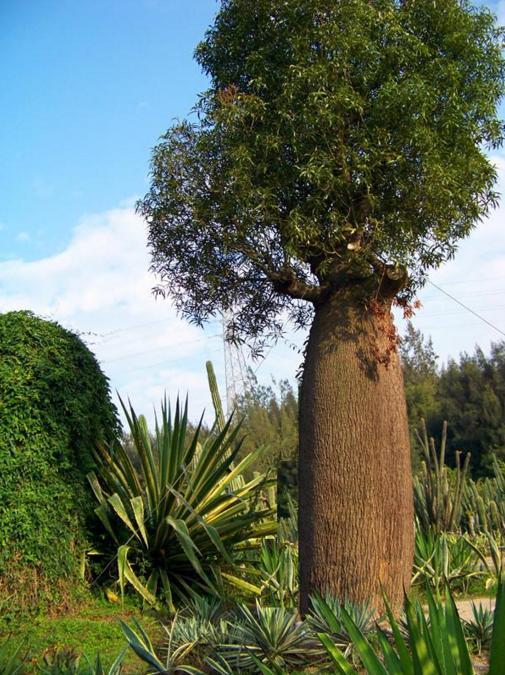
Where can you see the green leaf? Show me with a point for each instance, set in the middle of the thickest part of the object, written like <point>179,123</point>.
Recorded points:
<point>126,573</point>
<point>138,511</point>
<point>141,645</point>
<point>118,506</point>
<point>336,655</point>
<point>497,652</point>
<point>370,660</point>
<point>401,647</point>
<point>392,661</point>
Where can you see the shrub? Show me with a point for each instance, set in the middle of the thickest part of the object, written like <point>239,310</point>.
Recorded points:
<point>54,406</point>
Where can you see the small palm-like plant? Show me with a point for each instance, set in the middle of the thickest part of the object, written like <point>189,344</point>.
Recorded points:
<point>178,518</point>
<point>491,554</point>
<point>67,662</point>
<point>277,568</point>
<point>174,657</point>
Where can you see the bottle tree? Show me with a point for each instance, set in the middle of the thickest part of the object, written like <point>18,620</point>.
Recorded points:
<point>338,155</point>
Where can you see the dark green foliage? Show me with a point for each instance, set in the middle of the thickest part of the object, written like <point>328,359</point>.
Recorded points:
<point>338,143</point>
<point>468,392</point>
<point>270,421</point>
<point>54,407</point>
<point>471,396</point>
<point>479,628</point>
<point>433,644</point>
<point>287,487</point>
<point>420,372</point>
<point>325,616</point>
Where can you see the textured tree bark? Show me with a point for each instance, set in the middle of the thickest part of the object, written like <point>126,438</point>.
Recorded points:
<point>355,489</point>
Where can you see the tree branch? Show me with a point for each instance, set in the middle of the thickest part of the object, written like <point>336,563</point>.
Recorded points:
<point>288,284</point>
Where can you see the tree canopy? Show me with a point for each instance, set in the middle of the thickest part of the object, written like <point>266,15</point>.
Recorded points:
<point>338,142</point>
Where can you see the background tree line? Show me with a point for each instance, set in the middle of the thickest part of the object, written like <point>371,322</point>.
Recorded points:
<point>468,392</point>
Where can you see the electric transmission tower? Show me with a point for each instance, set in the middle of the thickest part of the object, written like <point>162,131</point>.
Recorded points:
<point>235,370</point>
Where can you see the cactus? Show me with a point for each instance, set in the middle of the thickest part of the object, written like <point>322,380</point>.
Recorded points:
<point>216,397</point>
<point>448,500</point>
<point>437,502</point>
<point>484,503</point>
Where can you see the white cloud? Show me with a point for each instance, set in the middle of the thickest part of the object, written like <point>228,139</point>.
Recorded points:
<point>100,285</point>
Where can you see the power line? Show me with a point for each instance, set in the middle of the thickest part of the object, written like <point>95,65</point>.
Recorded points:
<point>126,329</point>
<point>457,312</point>
<point>167,363</point>
<point>481,294</point>
<point>469,309</point>
<point>482,280</point>
<point>157,349</point>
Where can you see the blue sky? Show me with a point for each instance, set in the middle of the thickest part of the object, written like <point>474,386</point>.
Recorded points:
<point>87,88</point>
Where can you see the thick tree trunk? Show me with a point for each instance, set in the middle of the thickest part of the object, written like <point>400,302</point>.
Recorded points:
<point>356,513</point>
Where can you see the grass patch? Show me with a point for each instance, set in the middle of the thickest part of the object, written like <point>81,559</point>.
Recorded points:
<point>88,630</point>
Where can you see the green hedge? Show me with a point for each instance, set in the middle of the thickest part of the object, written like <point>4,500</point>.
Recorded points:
<point>54,406</point>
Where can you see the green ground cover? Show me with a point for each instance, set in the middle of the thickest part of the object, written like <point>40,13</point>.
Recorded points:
<point>89,629</point>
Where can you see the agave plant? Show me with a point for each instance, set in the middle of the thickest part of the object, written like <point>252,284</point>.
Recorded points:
<point>491,554</point>
<point>203,607</point>
<point>325,616</point>
<point>190,640</point>
<point>277,568</point>
<point>479,629</point>
<point>68,662</point>
<point>173,661</point>
<point>177,519</point>
<point>435,644</point>
<point>444,558</point>
<point>271,636</point>
<point>61,662</point>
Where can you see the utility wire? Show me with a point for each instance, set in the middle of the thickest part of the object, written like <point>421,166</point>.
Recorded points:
<point>469,309</point>
<point>168,363</point>
<point>157,349</point>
